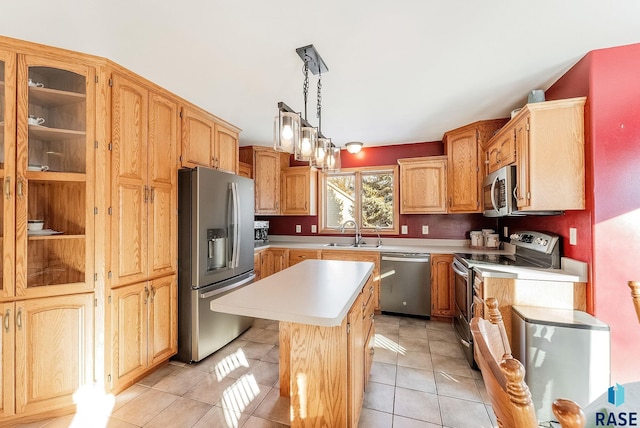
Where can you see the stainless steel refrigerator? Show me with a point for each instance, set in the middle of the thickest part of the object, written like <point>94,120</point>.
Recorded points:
<point>215,257</point>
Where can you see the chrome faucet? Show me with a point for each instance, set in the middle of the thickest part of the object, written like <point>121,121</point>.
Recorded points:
<point>357,237</point>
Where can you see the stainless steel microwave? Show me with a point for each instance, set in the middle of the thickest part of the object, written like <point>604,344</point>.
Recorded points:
<point>497,192</point>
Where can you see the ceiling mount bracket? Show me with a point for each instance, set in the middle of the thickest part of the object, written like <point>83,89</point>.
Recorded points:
<point>316,63</point>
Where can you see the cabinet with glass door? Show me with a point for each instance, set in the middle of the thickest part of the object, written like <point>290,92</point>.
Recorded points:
<point>54,177</point>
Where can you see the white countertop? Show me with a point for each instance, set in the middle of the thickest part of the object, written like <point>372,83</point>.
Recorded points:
<point>571,271</point>
<point>316,292</point>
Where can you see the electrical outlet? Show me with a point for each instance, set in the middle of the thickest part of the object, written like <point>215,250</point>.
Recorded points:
<point>425,230</point>
<point>314,228</point>
<point>505,232</point>
<point>404,229</point>
<point>298,228</point>
<point>573,236</point>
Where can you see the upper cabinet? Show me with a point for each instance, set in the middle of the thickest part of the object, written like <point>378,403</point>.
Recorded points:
<point>266,166</point>
<point>54,176</point>
<point>298,190</point>
<point>423,185</point>
<point>7,171</point>
<point>143,182</point>
<point>206,142</point>
<point>464,175</point>
<point>549,139</point>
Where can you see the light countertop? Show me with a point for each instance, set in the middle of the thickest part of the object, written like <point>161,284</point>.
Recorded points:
<point>316,292</point>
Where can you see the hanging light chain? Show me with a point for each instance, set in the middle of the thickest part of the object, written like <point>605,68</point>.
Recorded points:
<point>305,85</point>
<point>319,101</point>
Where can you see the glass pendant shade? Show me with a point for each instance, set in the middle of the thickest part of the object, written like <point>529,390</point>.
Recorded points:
<point>320,153</point>
<point>333,159</point>
<point>307,144</point>
<point>286,132</point>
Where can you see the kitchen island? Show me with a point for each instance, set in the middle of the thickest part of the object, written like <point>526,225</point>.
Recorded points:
<point>325,309</point>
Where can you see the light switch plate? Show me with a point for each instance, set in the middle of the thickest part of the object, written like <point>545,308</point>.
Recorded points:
<point>314,228</point>
<point>425,230</point>
<point>404,229</point>
<point>573,236</point>
<point>298,228</point>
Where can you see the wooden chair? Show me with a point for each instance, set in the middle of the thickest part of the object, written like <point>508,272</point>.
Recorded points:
<point>635,295</point>
<point>503,377</point>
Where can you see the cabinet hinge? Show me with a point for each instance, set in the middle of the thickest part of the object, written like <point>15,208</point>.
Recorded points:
<point>95,210</point>
<point>95,302</point>
<point>527,126</point>
<point>348,328</point>
<point>109,379</point>
<point>180,113</point>
<point>109,275</point>
<point>111,82</point>
<point>95,276</point>
<point>95,144</point>
<point>180,158</point>
<point>96,79</point>
<point>109,211</point>
<point>109,300</point>
<point>110,146</point>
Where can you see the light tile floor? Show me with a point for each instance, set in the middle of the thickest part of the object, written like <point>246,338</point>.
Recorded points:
<point>419,379</point>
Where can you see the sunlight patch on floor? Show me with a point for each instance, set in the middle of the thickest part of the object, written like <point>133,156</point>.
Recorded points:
<point>93,407</point>
<point>386,343</point>
<point>230,363</point>
<point>237,397</point>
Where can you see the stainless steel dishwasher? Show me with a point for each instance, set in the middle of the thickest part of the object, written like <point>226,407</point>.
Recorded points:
<point>405,283</point>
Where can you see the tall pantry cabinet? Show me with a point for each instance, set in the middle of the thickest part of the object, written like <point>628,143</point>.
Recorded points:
<point>47,134</point>
<point>144,138</point>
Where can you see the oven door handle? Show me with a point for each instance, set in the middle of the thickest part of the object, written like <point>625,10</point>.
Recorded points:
<point>457,270</point>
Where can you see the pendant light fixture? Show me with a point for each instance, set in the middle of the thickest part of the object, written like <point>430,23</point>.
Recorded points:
<point>293,133</point>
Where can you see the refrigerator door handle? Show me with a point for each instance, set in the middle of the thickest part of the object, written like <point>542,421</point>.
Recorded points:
<point>235,262</point>
<point>227,288</point>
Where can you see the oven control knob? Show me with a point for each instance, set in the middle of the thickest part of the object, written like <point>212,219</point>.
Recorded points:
<point>515,236</point>
<point>544,242</point>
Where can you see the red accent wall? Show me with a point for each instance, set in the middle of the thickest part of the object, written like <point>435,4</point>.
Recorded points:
<point>609,229</point>
<point>441,226</point>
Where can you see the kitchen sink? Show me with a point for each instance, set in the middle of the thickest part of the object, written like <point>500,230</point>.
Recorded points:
<point>337,244</point>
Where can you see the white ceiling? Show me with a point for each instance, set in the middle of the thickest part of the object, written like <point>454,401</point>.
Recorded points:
<point>399,72</point>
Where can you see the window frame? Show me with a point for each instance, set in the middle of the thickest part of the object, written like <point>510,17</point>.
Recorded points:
<point>358,172</point>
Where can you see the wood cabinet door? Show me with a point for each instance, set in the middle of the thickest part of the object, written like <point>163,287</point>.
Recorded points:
<point>273,260</point>
<point>442,285</point>
<point>7,359</point>
<point>198,136</point>
<point>129,181</point>
<point>162,236</point>
<point>163,323</point>
<point>356,369</point>
<point>296,191</point>
<point>63,195</point>
<point>501,152</point>
<point>257,268</point>
<point>226,149</point>
<point>129,329</point>
<point>267,182</point>
<point>54,350</point>
<point>423,185</point>
<point>296,256</point>
<point>523,194</point>
<point>462,176</point>
<point>7,172</point>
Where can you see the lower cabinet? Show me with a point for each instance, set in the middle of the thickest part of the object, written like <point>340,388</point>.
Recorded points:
<point>144,328</point>
<point>273,260</point>
<point>296,255</point>
<point>442,285</point>
<point>46,354</point>
<point>355,355</point>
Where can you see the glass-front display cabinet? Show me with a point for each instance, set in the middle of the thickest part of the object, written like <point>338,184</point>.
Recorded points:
<point>54,187</point>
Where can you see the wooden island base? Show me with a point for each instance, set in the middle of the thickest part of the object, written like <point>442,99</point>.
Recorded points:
<point>323,369</point>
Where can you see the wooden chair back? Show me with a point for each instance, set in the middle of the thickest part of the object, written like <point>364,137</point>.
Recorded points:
<point>503,377</point>
<point>635,296</point>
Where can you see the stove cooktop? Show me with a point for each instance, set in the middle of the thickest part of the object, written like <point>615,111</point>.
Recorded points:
<point>470,259</point>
